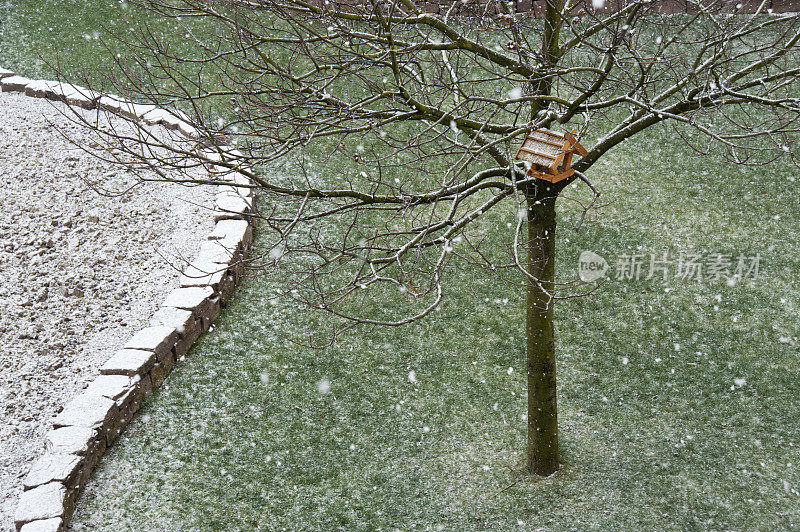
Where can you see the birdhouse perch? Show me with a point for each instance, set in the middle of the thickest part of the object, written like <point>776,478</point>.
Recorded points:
<point>550,154</point>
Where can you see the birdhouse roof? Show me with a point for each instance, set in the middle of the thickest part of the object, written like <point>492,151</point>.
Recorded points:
<point>546,148</point>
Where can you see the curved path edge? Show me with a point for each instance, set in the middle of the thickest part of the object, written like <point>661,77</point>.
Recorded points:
<point>92,420</point>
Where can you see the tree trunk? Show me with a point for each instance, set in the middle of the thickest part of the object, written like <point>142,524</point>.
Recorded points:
<point>542,455</point>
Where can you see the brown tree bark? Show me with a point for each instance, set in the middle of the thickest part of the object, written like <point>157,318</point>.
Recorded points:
<point>542,451</point>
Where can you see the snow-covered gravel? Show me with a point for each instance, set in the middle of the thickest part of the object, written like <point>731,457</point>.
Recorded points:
<point>79,271</point>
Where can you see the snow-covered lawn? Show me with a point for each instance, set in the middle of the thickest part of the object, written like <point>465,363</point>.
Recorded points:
<point>678,398</point>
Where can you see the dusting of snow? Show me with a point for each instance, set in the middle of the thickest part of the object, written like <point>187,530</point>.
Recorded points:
<point>324,386</point>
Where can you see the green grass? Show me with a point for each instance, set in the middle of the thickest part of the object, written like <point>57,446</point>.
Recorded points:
<point>77,39</point>
<point>658,430</point>
<point>241,437</point>
<point>36,36</point>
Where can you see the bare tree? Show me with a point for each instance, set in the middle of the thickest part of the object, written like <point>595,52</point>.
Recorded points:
<point>380,132</point>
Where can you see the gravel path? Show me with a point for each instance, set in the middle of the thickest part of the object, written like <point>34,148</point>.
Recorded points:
<point>79,271</point>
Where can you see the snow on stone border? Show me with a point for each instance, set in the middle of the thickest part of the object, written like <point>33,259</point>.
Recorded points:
<point>184,321</point>
<point>202,302</point>
<point>232,233</point>
<point>69,440</point>
<point>14,83</point>
<point>232,207</point>
<point>159,339</point>
<point>52,467</point>
<point>216,252</point>
<point>129,362</point>
<point>94,418</point>
<point>76,95</point>
<point>38,88</point>
<point>111,386</point>
<point>44,502</point>
<point>204,273</point>
<point>110,103</point>
<point>134,111</point>
<point>162,117</point>
<point>86,410</point>
<point>44,525</point>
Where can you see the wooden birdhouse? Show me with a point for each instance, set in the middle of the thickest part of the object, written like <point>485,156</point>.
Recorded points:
<point>549,154</point>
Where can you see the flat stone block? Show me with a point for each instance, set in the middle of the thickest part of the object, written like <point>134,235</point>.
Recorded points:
<point>203,273</point>
<point>134,110</point>
<point>59,91</point>
<point>97,448</point>
<point>211,155</point>
<point>219,282</point>
<point>69,440</point>
<point>224,253</point>
<point>38,88</point>
<point>248,193</point>
<point>168,362</point>
<point>230,207</point>
<point>196,299</point>
<point>170,121</point>
<point>144,389</point>
<point>14,83</point>
<point>218,252</point>
<point>55,524</point>
<point>225,288</point>
<point>5,73</point>
<point>203,303</point>
<point>55,91</point>
<point>111,103</point>
<point>43,502</point>
<point>128,405</point>
<point>111,386</point>
<point>232,234</point>
<point>176,318</point>
<point>231,154</point>
<point>158,339</point>
<point>61,468</point>
<point>129,362</point>
<point>161,116</point>
<point>238,178</point>
<point>185,322</point>
<point>188,339</point>
<point>188,130</point>
<point>232,192</point>
<point>153,117</point>
<point>80,96</point>
<point>158,374</point>
<point>86,410</point>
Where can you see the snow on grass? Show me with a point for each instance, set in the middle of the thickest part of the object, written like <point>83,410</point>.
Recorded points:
<point>423,427</point>
<point>656,429</point>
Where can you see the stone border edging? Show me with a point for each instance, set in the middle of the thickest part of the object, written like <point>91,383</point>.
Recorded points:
<point>92,420</point>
